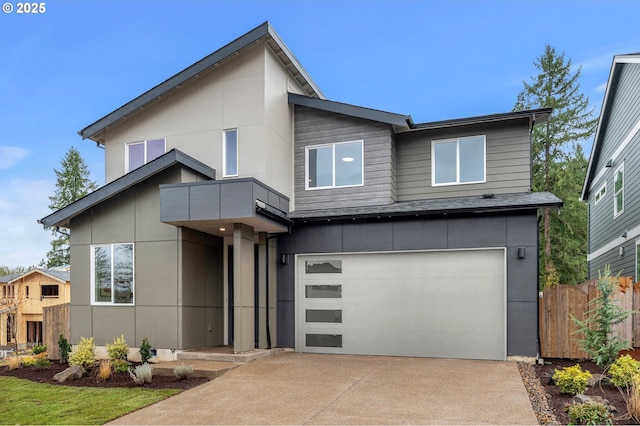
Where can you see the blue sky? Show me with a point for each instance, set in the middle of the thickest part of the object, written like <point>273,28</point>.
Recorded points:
<point>79,60</point>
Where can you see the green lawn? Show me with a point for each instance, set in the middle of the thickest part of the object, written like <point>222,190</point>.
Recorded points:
<point>26,402</point>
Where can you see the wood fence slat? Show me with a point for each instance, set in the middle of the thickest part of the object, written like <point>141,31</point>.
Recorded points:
<point>558,332</point>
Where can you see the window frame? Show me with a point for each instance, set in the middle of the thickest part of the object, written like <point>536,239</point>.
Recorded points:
<point>145,161</point>
<point>94,302</point>
<point>457,141</point>
<point>598,197</point>
<point>617,212</point>
<point>50,296</point>
<point>332,145</point>
<point>224,153</point>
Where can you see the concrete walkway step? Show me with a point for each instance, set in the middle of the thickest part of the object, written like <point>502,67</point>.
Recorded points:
<point>225,354</point>
<point>201,368</point>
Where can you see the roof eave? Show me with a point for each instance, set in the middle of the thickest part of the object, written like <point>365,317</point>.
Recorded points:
<point>262,32</point>
<point>537,116</point>
<point>33,271</point>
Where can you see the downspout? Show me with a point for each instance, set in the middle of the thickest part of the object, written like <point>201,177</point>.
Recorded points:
<point>539,348</point>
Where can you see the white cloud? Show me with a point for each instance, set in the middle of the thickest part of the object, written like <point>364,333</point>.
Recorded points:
<point>23,241</point>
<point>11,155</point>
<point>601,88</point>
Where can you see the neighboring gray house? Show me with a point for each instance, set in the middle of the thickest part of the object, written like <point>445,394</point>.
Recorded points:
<point>612,185</point>
<point>243,208</point>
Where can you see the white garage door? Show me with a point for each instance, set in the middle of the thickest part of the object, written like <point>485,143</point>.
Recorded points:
<point>444,304</point>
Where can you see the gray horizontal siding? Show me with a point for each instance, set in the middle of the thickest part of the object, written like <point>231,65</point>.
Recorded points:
<point>603,227</point>
<point>625,113</point>
<point>315,127</point>
<point>508,163</point>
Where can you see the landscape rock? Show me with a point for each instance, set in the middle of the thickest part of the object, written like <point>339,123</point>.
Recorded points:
<point>72,373</point>
<point>597,378</point>
<point>581,398</point>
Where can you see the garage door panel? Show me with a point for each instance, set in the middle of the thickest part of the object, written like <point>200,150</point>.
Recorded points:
<point>437,304</point>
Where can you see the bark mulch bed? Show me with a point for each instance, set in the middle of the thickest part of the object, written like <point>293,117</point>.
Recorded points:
<point>120,380</point>
<point>554,410</point>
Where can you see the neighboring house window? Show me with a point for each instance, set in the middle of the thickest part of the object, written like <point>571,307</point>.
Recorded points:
<point>601,193</point>
<point>112,275</point>
<point>458,161</point>
<point>637,260</point>
<point>140,153</point>
<point>27,290</point>
<point>230,153</point>
<point>49,291</point>
<point>334,165</point>
<point>618,191</point>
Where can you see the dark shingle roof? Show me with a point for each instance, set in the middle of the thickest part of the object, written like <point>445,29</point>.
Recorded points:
<point>503,202</point>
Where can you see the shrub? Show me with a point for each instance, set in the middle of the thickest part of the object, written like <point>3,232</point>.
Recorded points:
<point>623,370</point>
<point>633,398</point>
<point>64,347</point>
<point>589,413</point>
<point>118,349</point>
<point>14,362</point>
<point>572,380</point>
<point>120,365</point>
<point>38,349</point>
<point>602,345</point>
<point>39,361</point>
<point>104,372</point>
<point>183,371</point>
<point>142,374</point>
<point>145,351</point>
<point>85,354</point>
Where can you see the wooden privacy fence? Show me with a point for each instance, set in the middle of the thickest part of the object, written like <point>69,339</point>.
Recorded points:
<point>55,321</point>
<point>558,333</point>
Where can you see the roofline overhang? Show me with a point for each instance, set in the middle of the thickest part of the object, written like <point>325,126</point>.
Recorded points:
<point>62,217</point>
<point>536,116</point>
<point>612,83</point>
<point>263,32</point>
<point>33,271</point>
<point>399,121</point>
<point>388,212</point>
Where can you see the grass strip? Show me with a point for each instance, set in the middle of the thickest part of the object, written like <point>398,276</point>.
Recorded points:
<point>29,403</point>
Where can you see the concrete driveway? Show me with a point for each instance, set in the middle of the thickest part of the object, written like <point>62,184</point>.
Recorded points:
<point>294,388</point>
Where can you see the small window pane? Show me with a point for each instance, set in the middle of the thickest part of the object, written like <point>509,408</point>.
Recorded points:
<point>136,155</point>
<point>619,183</point>
<point>102,259</point>
<point>231,152</point>
<point>49,291</point>
<point>155,148</point>
<point>445,162</point>
<point>323,266</point>
<point>123,273</point>
<point>320,167</point>
<point>472,159</point>
<point>324,340</point>
<point>349,164</point>
<point>323,291</point>
<point>324,315</point>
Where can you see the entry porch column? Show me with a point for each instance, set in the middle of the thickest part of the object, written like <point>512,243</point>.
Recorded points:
<point>243,288</point>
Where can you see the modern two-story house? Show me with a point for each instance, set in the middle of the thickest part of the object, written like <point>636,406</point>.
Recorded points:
<point>241,207</point>
<point>612,183</point>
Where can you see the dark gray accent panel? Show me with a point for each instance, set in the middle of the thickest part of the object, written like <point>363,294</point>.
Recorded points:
<point>176,205</point>
<point>510,230</point>
<point>204,202</point>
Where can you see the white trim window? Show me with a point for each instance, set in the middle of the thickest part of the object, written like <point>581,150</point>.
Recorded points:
<point>458,161</point>
<point>335,165</point>
<point>112,274</point>
<point>230,153</point>
<point>600,193</point>
<point>140,153</point>
<point>618,191</point>
<point>637,260</point>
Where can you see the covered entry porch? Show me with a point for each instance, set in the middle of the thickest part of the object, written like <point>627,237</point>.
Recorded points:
<point>247,215</point>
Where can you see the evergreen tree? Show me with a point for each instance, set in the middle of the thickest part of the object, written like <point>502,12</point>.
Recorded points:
<point>554,148</point>
<point>72,183</point>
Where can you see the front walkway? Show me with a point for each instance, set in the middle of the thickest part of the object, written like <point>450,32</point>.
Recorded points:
<point>294,388</point>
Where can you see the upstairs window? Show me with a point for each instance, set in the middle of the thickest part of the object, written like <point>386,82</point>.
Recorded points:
<point>230,153</point>
<point>49,290</point>
<point>601,193</point>
<point>112,274</point>
<point>458,161</point>
<point>618,191</point>
<point>140,153</point>
<point>334,165</point>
